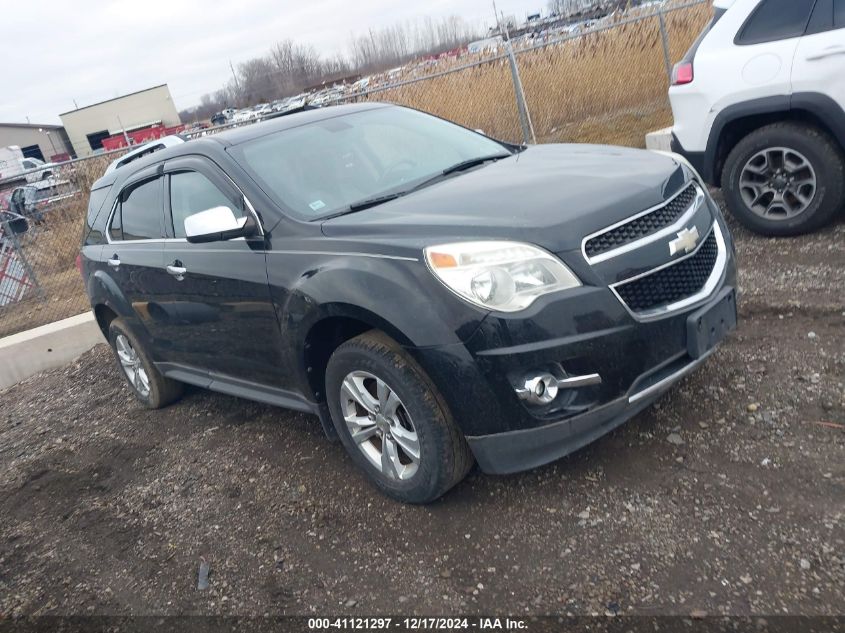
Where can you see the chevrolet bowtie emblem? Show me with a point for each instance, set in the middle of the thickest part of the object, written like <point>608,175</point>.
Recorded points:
<point>686,241</point>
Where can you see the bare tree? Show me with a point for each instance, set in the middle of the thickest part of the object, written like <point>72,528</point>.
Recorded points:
<point>290,68</point>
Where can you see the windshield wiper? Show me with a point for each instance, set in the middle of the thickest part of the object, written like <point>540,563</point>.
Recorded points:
<point>371,202</point>
<point>360,205</point>
<point>457,167</point>
<point>472,162</point>
<point>363,204</point>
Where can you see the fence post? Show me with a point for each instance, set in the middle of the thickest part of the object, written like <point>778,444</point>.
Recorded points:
<point>664,35</point>
<point>9,234</point>
<point>521,105</point>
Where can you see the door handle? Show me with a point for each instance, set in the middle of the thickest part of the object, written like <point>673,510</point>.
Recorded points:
<point>114,262</point>
<point>177,271</point>
<point>827,52</point>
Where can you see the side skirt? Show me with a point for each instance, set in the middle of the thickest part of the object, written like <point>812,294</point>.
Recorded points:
<point>250,391</point>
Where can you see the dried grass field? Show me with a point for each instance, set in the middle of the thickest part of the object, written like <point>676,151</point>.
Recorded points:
<point>603,87</point>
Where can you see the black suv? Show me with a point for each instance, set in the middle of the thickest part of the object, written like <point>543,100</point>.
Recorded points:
<point>433,295</point>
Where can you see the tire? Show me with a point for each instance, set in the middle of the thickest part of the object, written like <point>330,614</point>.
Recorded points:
<point>444,457</point>
<point>799,141</point>
<point>160,391</point>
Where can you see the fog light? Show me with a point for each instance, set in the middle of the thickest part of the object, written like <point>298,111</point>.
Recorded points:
<point>542,388</point>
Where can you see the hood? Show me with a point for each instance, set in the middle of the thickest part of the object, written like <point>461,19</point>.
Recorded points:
<point>549,195</point>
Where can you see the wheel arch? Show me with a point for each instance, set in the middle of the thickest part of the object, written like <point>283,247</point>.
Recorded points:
<point>735,122</point>
<point>104,316</point>
<point>337,324</point>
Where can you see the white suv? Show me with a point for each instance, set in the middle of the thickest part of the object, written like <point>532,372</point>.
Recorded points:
<point>759,107</point>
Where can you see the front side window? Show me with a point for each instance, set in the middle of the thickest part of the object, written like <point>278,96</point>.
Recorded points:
<point>138,214</point>
<point>191,192</point>
<point>776,20</point>
<point>822,18</point>
<point>325,166</point>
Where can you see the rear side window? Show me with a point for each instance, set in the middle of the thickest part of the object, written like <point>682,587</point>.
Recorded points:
<point>776,20</point>
<point>839,14</point>
<point>138,216</point>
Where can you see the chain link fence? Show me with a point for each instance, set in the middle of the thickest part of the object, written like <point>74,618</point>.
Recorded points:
<point>603,81</point>
<point>40,233</point>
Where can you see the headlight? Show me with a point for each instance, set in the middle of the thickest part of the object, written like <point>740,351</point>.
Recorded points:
<point>505,276</point>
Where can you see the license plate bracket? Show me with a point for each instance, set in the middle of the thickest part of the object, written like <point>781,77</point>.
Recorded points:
<point>708,326</point>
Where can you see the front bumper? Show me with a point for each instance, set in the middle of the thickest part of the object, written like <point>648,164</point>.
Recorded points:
<point>514,451</point>
<point>589,331</point>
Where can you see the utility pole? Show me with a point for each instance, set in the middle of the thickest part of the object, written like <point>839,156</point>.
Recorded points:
<point>235,77</point>
<point>125,135</point>
<point>50,138</point>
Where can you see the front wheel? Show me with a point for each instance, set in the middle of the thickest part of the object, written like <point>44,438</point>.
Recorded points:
<point>393,421</point>
<point>784,179</point>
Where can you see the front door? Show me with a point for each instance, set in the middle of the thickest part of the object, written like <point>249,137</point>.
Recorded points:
<point>819,65</point>
<point>220,314</point>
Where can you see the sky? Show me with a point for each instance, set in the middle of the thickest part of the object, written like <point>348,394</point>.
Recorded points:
<point>58,51</point>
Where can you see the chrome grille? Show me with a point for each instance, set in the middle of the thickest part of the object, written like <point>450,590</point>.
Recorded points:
<point>643,225</point>
<point>673,283</point>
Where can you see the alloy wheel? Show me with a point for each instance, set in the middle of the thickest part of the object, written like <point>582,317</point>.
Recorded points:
<point>380,425</point>
<point>131,363</point>
<point>778,183</point>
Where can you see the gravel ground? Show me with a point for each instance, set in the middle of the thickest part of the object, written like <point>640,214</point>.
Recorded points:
<point>726,497</point>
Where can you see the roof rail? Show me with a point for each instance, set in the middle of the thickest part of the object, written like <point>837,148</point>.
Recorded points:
<point>146,149</point>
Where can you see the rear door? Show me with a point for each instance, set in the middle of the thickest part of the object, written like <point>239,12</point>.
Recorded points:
<point>134,253</point>
<point>766,43</point>
<point>820,60</point>
<point>221,316</point>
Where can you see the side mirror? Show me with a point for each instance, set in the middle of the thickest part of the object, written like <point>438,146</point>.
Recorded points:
<point>218,224</point>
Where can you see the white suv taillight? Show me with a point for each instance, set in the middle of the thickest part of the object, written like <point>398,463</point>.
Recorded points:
<point>682,73</point>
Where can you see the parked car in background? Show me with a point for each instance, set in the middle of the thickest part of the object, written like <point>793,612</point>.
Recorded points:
<point>12,223</point>
<point>35,200</point>
<point>14,165</point>
<point>433,295</point>
<point>262,110</point>
<point>295,102</point>
<point>243,115</point>
<point>759,108</point>
<point>219,119</point>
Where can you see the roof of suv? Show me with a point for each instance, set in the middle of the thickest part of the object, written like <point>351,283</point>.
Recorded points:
<point>229,138</point>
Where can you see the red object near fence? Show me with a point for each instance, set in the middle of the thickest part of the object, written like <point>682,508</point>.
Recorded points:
<point>137,137</point>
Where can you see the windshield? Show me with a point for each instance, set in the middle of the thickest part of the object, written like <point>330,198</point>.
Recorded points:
<point>325,167</point>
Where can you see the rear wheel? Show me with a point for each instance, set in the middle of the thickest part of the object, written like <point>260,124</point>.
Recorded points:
<point>393,421</point>
<point>784,179</point>
<point>146,383</point>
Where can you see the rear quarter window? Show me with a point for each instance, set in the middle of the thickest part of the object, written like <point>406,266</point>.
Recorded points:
<point>96,218</point>
<point>775,20</point>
